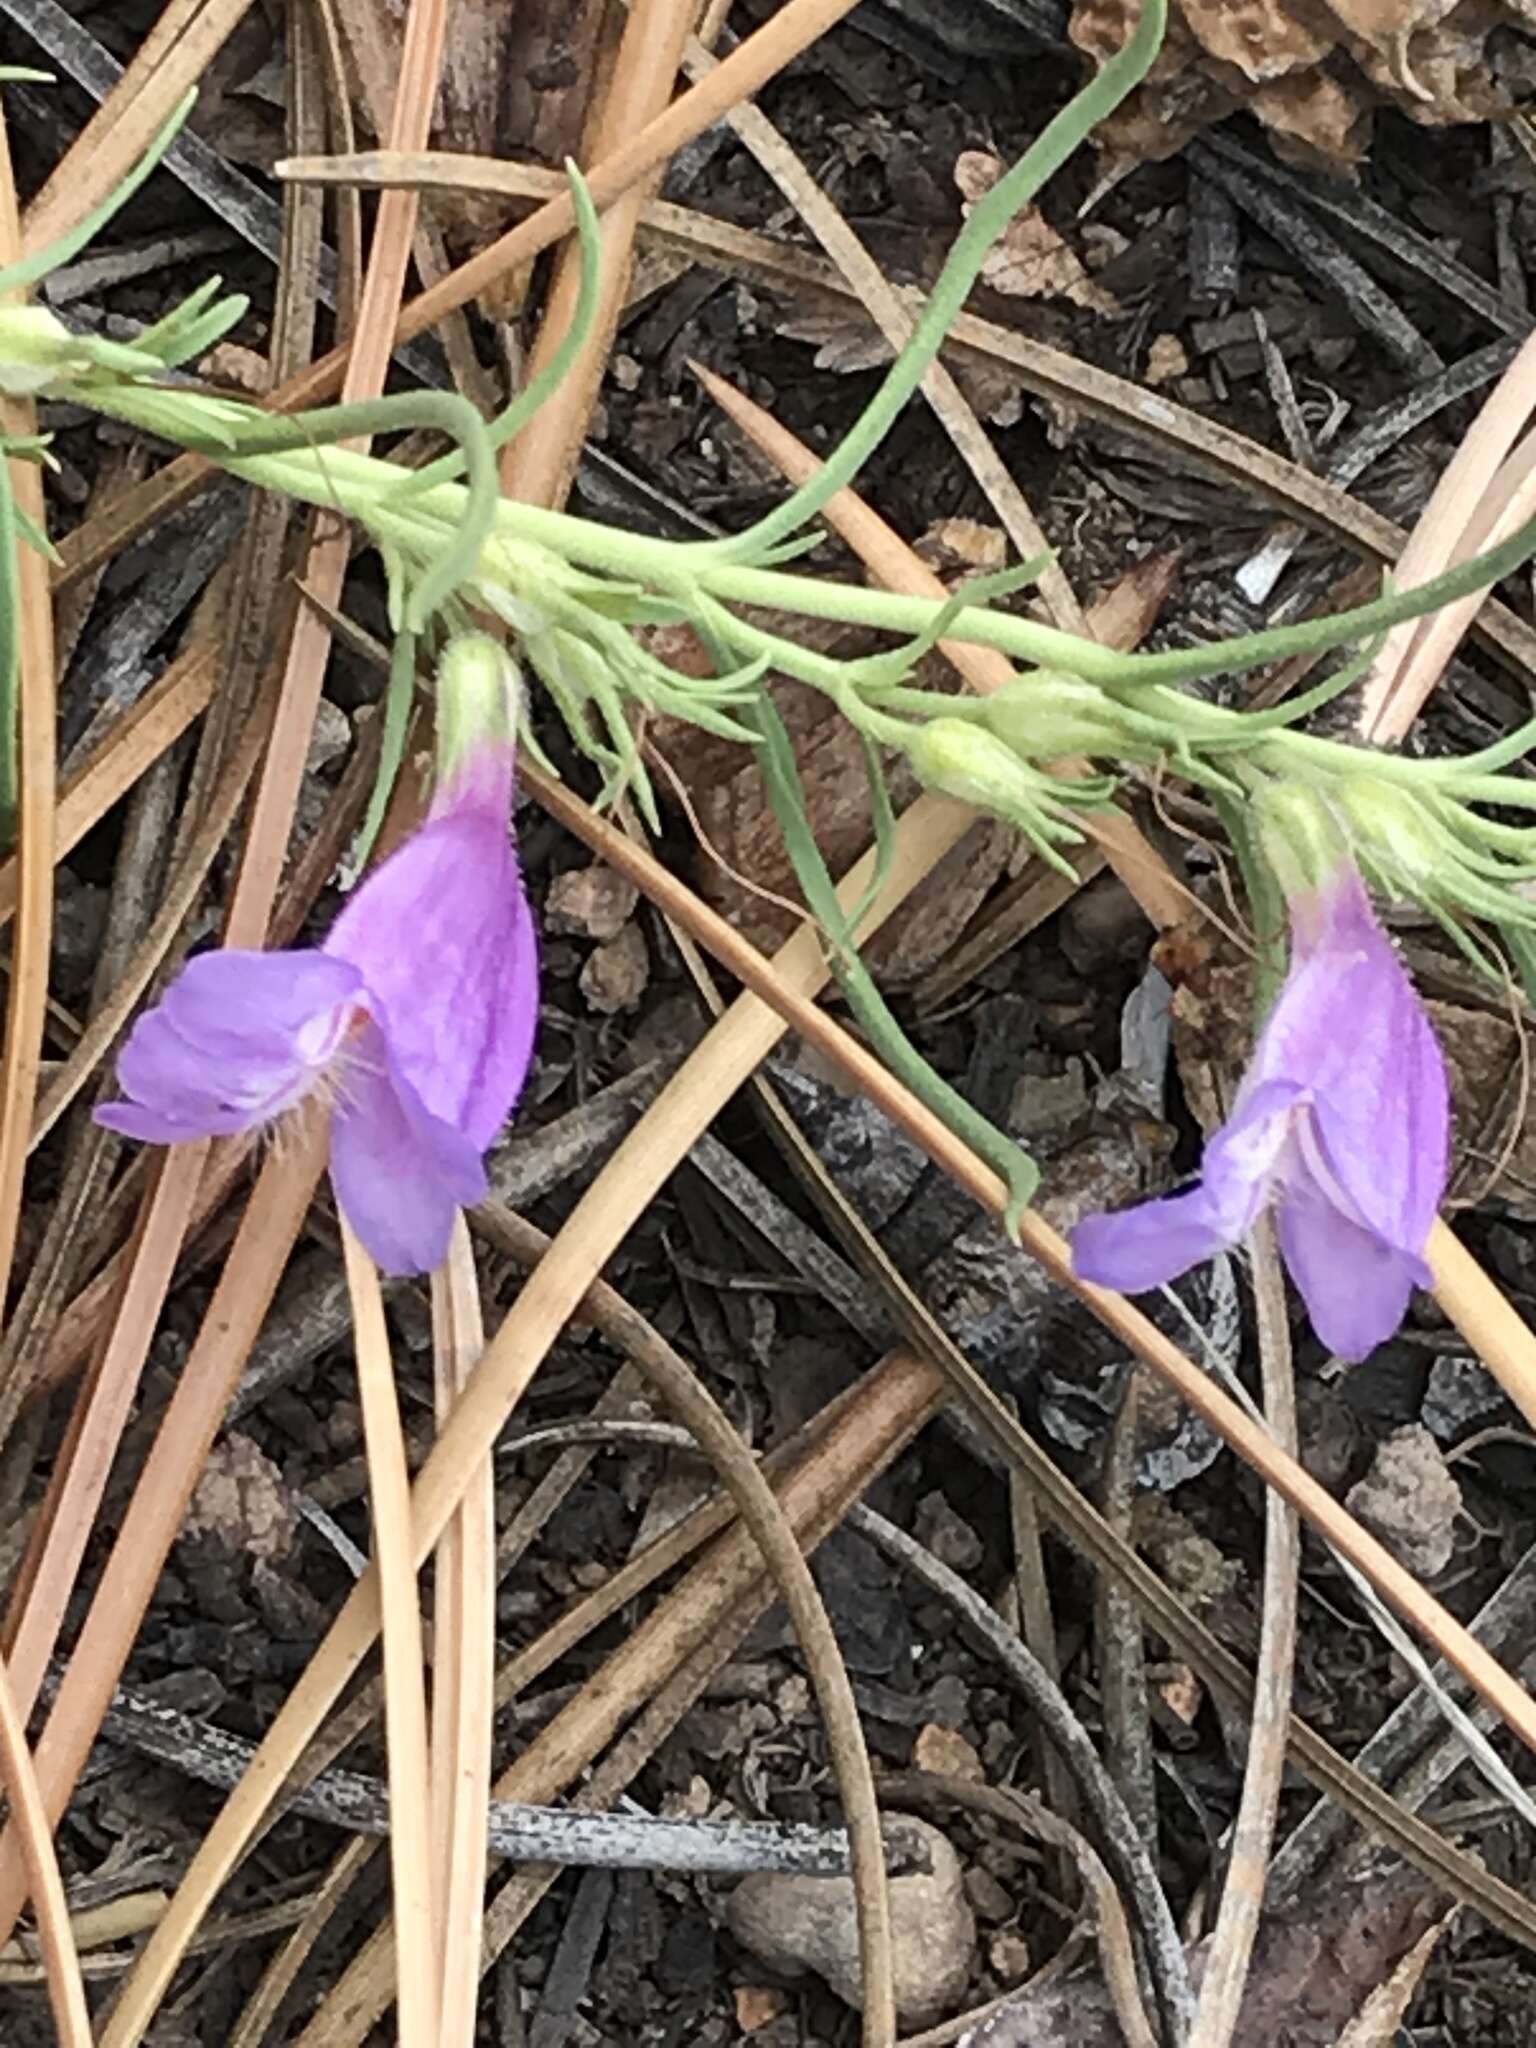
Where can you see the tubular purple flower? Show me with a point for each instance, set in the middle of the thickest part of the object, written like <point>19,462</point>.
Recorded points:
<point>415,1018</point>
<point>1342,1124</point>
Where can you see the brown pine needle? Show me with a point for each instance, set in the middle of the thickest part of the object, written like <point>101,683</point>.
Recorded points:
<point>405,1703</point>
<point>33,745</point>
<point>1242,1898</point>
<point>463,1663</point>
<point>66,1990</point>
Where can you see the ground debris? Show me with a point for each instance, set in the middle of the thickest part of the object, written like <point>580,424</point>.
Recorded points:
<point>796,1924</point>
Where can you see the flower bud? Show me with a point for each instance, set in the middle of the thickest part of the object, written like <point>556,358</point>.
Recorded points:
<point>1393,827</point>
<point>36,349</point>
<point>1048,715</point>
<point>958,758</point>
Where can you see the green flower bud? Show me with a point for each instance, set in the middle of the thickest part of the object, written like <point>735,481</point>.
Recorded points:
<point>958,758</point>
<point>1392,827</point>
<point>36,349</point>
<point>1047,716</point>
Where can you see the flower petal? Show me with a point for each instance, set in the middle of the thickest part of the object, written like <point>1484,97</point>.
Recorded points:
<point>237,1038</point>
<point>1149,1245</point>
<point>1349,1026</point>
<point>1356,1287</point>
<point>160,1127</point>
<point>1156,1241</point>
<point>400,1173</point>
<point>444,939</point>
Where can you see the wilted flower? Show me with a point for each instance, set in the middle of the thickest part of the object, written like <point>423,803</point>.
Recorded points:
<point>1342,1123</point>
<point>415,1018</point>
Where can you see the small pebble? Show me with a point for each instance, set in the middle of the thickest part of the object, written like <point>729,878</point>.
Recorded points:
<point>1410,1501</point>
<point>594,902</point>
<point>616,974</point>
<point>947,1534</point>
<point>793,1924</point>
<point>990,1899</point>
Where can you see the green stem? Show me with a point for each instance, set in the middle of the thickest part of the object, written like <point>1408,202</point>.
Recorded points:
<point>1011,1163</point>
<point>989,217</point>
<point>358,484</point>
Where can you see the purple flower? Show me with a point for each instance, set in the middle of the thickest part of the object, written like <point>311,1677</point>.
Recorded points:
<point>415,1018</point>
<point>1342,1123</point>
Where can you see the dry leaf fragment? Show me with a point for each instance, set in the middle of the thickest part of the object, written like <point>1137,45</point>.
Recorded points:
<point>1183,1694</point>
<point>1311,71</point>
<point>746,870</point>
<point>758,2006</point>
<point>964,544</point>
<point>617,972</point>
<point>1167,358</point>
<point>242,1502</point>
<point>946,1751</point>
<point>1410,1500</point>
<point>593,902</point>
<point>1029,260</point>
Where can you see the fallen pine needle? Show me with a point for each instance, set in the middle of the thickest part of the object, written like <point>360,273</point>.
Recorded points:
<point>405,1706</point>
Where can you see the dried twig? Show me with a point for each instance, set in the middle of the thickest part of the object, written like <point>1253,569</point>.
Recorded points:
<point>1117,1956</point>
<point>1117,1830</point>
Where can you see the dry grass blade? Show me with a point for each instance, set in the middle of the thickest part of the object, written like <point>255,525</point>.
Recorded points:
<point>99,1424</point>
<point>66,1991</point>
<point>154,1514</point>
<point>1242,1896</point>
<point>413,1866</point>
<point>729,1054</point>
<point>366,366</point>
<point>99,1035</point>
<point>541,464</point>
<point>171,59</point>
<point>1502,1339</point>
<point>1494,1328</point>
<point>156,722</point>
<point>756,59</point>
<point>597,1224</point>
<point>463,1663</point>
<point>1402,678</point>
<point>1051,373</point>
<point>763,1515</point>
<point>1253,1443</point>
<point>33,744</point>
<point>662,1666</point>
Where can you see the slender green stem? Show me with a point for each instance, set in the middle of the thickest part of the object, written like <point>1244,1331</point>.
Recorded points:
<point>510,423</point>
<point>398,695</point>
<point>1007,1158</point>
<point>360,485</point>
<point>15,277</point>
<point>989,217</point>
